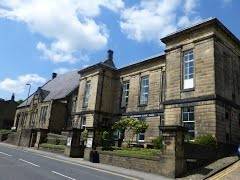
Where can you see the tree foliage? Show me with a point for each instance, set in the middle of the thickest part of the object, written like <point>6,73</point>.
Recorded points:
<point>130,125</point>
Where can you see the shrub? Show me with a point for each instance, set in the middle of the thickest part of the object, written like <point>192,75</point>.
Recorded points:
<point>106,140</point>
<point>130,124</point>
<point>52,146</point>
<point>158,142</point>
<point>84,135</point>
<point>5,131</point>
<point>207,140</point>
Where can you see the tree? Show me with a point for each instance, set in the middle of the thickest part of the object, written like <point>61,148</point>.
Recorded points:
<point>128,124</point>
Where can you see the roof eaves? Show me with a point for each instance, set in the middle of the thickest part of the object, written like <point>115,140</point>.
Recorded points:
<point>200,24</point>
<point>188,28</point>
<point>143,61</point>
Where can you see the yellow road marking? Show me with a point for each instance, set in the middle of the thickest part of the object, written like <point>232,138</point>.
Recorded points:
<point>226,172</point>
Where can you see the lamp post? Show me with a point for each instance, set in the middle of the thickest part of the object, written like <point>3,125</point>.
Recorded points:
<point>29,89</point>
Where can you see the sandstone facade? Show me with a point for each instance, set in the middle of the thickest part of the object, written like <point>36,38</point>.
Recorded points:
<point>212,103</point>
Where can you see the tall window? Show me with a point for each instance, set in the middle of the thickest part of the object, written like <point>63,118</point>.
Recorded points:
<point>188,120</point>
<point>33,118</point>
<point>43,113</point>
<point>188,72</point>
<point>74,104</point>
<point>144,90</point>
<point>125,93</point>
<point>86,94</point>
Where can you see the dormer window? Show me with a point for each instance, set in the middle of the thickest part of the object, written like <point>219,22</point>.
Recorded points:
<point>188,69</point>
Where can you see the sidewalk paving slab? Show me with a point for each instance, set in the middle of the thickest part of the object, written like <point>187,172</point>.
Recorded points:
<point>211,169</point>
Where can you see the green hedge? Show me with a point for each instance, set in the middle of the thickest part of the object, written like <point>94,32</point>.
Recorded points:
<point>56,141</point>
<point>158,142</point>
<point>52,146</point>
<point>206,140</point>
<point>138,152</point>
<point>5,131</point>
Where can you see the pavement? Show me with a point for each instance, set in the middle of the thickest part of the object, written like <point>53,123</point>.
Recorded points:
<point>212,169</point>
<point>230,173</point>
<point>19,163</point>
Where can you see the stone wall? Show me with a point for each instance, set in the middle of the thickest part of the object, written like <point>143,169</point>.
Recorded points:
<point>21,138</point>
<point>154,70</point>
<point>162,165</point>
<point>58,116</point>
<point>204,114</point>
<point>227,74</point>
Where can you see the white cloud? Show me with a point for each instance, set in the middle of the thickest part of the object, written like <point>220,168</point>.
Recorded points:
<point>190,5</point>
<point>69,24</point>
<point>18,85</point>
<point>151,20</point>
<point>62,70</point>
<point>227,1</point>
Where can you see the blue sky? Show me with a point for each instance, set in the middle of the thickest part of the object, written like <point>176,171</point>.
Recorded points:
<point>39,37</point>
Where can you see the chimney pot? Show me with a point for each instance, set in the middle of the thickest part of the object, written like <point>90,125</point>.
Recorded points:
<point>54,75</point>
<point>110,54</point>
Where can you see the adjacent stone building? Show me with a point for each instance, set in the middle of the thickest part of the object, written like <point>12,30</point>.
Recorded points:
<point>194,84</point>
<point>7,112</point>
<point>49,109</point>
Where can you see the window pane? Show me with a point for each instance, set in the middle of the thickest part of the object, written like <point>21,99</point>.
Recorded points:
<point>188,119</point>
<point>188,72</point>
<point>125,93</point>
<point>144,90</point>
<point>86,94</point>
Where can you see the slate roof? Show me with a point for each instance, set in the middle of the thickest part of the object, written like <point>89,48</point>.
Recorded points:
<point>57,88</point>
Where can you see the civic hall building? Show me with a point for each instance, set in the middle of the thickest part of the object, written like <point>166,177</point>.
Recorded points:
<point>195,83</point>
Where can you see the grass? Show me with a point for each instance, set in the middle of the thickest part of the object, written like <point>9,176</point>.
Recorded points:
<point>52,146</point>
<point>138,152</point>
<point>5,131</point>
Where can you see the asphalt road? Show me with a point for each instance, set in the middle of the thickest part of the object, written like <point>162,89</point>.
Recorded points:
<point>231,173</point>
<point>17,164</point>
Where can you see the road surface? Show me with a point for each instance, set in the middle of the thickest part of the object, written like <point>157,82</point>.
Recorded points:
<point>17,164</point>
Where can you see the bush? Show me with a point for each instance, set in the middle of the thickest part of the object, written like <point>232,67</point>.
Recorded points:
<point>5,131</point>
<point>106,140</point>
<point>158,142</point>
<point>52,146</point>
<point>137,152</point>
<point>207,140</point>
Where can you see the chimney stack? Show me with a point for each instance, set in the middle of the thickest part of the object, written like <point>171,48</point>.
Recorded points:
<point>54,75</point>
<point>110,54</point>
<point>13,97</point>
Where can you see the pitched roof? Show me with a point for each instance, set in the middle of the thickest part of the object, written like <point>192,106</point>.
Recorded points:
<point>57,88</point>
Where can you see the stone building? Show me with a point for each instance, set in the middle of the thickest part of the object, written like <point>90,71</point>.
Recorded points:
<point>49,109</point>
<point>7,113</point>
<point>194,84</point>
